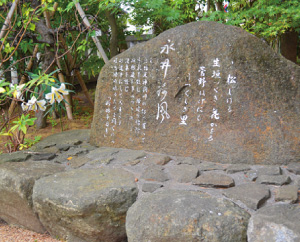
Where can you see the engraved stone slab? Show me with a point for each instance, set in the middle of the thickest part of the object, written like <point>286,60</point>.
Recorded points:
<point>203,90</point>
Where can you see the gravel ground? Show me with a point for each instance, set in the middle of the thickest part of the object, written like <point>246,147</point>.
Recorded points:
<point>15,234</point>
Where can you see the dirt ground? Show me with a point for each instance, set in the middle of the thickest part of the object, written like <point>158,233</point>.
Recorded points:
<point>15,234</point>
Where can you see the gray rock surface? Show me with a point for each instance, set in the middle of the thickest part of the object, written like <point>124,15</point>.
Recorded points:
<point>185,216</point>
<point>237,168</point>
<point>269,170</point>
<point>252,195</point>
<point>214,179</point>
<point>287,194</point>
<point>157,160</point>
<point>274,180</point>
<point>70,153</point>
<point>89,204</point>
<point>80,205</point>
<point>275,223</point>
<point>251,175</point>
<point>104,155</point>
<point>43,156</point>
<point>188,161</point>
<point>294,167</point>
<point>16,185</point>
<point>77,162</point>
<point>183,173</point>
<point>14,157</point>
<point>210,166</point>
<point>155,173</point>
<point>151,187</point>
<point>67,138</point>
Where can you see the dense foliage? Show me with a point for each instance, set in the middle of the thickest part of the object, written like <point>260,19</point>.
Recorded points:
<point>268,19</point>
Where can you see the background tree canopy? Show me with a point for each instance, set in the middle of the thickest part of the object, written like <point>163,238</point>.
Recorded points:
<point>276,21</point>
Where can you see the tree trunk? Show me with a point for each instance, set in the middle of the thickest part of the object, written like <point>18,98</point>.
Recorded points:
<point>48,61</point>
<point>24,77</point>
<point>288,45</point>
<point>88,25</point>
<point>8,18</point>
<point>208,5</point>
<point>77,72</point>
<point>113,44</point>
<point>219,5</point>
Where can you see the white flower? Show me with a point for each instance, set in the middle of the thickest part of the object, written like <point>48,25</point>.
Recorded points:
<point>25,107</point>
<point>32,103</point>
<point>58,96</point>
<point>62,89</point>
<point>2,90</point>
<point>18,91</point>
<point>57,93</point>
<point>41,104</point>
<point>50,96</point>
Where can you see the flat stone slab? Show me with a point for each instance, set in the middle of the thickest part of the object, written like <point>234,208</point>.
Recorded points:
<point>188,161</point>
<point>234,168</point>
<point>105,155</point>
<point>251,175</point>
<point>214,180</point>
<point>297,182</point>
<point>155,173</point>
<point>88,204</point>
<point>14,157</point>
<point>274,180</point>
<point>151,187</point>
<point>16,185</point>
<point>70,153</point>
<point>287,194</point>
<point>77,162</point>
<point>173,215</point>
<point>70,138</point>
<point>278,222</point>
<point>270,170</point>
<point>294,167</point>
<point>183,173</point>
<point>210,166</point>
<point>156,160</point>
<point>43,156</point>
<point>251,194</point>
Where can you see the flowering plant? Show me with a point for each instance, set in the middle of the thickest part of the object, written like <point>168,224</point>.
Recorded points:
<point>42,92</point>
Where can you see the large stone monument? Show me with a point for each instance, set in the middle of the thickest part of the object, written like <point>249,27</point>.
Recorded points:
<point>205,90</point>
